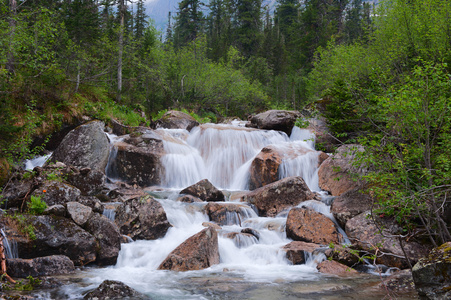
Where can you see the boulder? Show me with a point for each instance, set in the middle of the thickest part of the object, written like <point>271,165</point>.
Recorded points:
<point>176,120</point>
<point>297,251</point>
<point>337,174</point>
<point>198,252</point>
<point>89,182</point>
<point>79,213</point>
<point>282,120</point>
<point>55,192</point>
<point>18,187</point>
<point>228,213</point>
<point>205,191</point>
<point>52,235</point>
<point>335,268</point>
<point>265,168</point>
<point>108,238</point>
<point>142,218</point>
<point>349,205</point>
<point>85,146</point>
<point>432,274</point>
<point>399,282</point>
<point>138,159</point>
<point>91,202</point>
<point>273,198</point>
<point>114,290</point>
<point>365,234</point>
<point>56,210</point>
<point>40,266</point>
<point>307,225</point>
<point>268,165</point>
<point>120,129</point>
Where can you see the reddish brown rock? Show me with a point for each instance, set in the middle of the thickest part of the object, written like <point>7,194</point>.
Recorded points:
<point>349,205</point>
<point>322,157</point>
<point>241,239</point>
<point>205,191</point>
<point>176,120</point>
<point>365,234</point>
<point>343,255</point>
<point>296,251</point>
<point>282,120</point>
<point>264,168</point>
<point>337,174</point>
<point>335,268</point>
<point>304,224</point>
<point>142,218</point>
<point>198,252</point>
<point>273,198</point>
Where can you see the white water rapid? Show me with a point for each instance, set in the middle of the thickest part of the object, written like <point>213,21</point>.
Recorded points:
<point>251,266</point>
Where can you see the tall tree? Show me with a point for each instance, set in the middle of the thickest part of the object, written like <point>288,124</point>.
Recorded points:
<point>248,26</point>
<point>140,20</point>
<point>12,28</point>
<point>189,22</point>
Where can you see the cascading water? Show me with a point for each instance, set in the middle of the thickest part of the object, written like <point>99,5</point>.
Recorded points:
<point>11,250</point>
<point>253,264</point>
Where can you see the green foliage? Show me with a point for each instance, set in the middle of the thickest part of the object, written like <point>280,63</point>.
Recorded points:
<point>22,285</point>
<point>36,205</point>
<point>24,226</point>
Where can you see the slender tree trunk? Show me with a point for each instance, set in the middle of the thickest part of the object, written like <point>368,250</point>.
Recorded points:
<point>121,50</point>
<point>3,262</point>
<point>12,26</point>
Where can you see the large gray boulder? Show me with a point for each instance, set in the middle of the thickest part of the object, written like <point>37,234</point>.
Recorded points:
<point>52,235</point>
<point>108,238</point>
<point>339,174</point>
<point>432,274</point>
<point>142,218</point>
<point>138,159</point>
<point>40,266</point>
<point>273,198</point>
<point>198,252</point>
<point>205,191</point>
<point>86,146</point>
<point>282,120</point>
<point>176,120</point>
<point>378,235</point>
<point>350,204</point>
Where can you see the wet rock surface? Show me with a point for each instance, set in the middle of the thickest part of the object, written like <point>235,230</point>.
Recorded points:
<point>264,168</point>
<point>142,218</point>
<point>112,289</point>
<point>205,191</point>
<point>138,159</point>
<point>198,252</point>
<point>79,213</point>
<point>225,214</point>
<point>307,225</point>
<point>297,252</point>
<point>40,266</point>
<point>273,198</point>
<point>84,147</point>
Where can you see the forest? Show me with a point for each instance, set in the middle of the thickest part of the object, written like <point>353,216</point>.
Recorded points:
<point>380,75</point>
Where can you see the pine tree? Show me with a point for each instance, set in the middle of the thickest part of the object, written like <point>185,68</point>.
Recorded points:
<point>189,22</point>
<point>140,20</point>
<point>248,26</point>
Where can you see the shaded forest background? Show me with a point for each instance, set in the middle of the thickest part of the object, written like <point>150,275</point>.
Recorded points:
<point>380,75</point>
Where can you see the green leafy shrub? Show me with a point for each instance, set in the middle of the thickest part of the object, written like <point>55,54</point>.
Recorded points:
<point>36,205</point>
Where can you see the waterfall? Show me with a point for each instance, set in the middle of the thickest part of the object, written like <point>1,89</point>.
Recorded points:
<point>38,161</point>
<point>11,249</point>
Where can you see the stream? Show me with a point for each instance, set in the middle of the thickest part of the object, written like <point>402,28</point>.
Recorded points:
<point>249,268</point>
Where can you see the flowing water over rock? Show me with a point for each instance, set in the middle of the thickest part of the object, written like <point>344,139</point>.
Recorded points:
<point>253,264</point>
